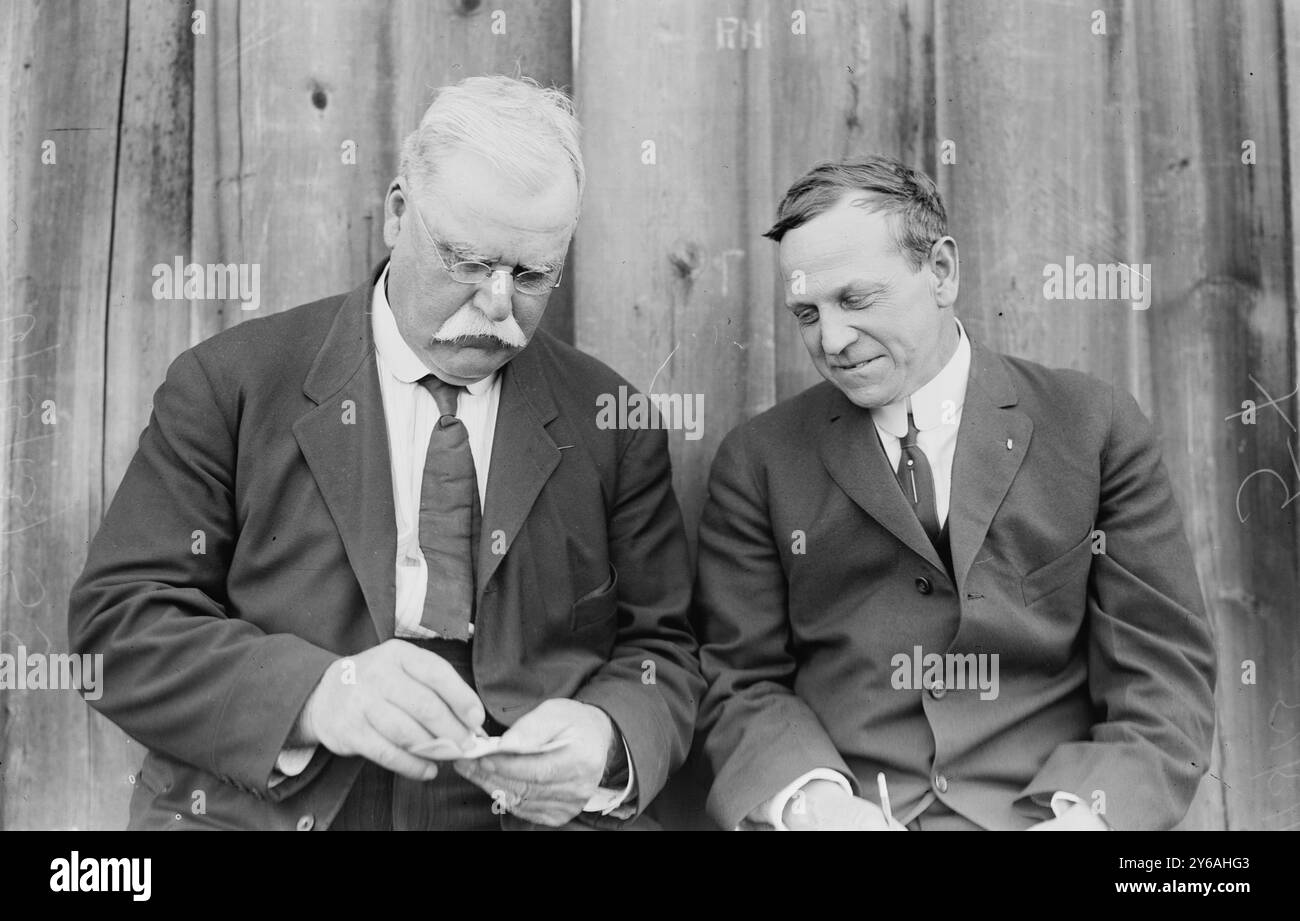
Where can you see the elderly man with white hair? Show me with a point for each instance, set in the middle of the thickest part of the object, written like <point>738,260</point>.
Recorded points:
<point>374,564</point>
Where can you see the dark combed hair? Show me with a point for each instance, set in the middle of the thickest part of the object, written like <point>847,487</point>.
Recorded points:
<point>909,196</point>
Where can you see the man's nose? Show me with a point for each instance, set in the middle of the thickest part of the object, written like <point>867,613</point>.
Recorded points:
<point>837,335</point>
<point>493,295</point>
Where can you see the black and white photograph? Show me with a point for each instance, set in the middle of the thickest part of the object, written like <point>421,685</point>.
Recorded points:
<point>676,415</point>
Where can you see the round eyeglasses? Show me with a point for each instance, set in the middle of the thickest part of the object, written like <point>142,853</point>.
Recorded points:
<point>531,281</point>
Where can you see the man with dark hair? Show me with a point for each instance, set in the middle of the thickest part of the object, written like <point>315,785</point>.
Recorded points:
<point>945,573</point>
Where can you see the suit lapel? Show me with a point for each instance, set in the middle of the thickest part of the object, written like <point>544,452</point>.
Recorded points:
<point>991,445</point>
<point>523,456</point>
<point>851,452</point>
<point>349,459</point>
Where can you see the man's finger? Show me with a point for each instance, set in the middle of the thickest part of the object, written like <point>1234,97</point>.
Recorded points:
<point>547,812</point>
<point>491,773</point>
<point>549,767</point>
<point>384,753</point>
<point>506,794</point>
<point>470,768</point>
<point>428,709</point>
<point>397,726</point>
<point>536,727</point>
<point>436,673</point>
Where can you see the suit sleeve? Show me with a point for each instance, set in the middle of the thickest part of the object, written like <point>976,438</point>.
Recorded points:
<point>182,676</point>
<point>757,735</point>
<point>1151,658</point>
<point>651,685</point>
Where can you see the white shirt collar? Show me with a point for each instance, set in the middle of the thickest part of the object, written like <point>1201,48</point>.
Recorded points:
<point>394,354</point>
<point>928,402</point>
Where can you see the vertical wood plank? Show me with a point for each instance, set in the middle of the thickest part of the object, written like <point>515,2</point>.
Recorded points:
<point>152,210</point>
<point>1211,77</point>
<point>674,286</point>
<point>1033,104</point>
<point>63,70</point>
<point>216,160</point>
<point>662,247</point>
<point>308,81</point>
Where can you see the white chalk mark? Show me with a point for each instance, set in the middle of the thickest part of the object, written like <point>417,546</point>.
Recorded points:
<point>23,441</point>
<point>48,348</point>
<point>37,524</point>
<point>1271,402</point>
<point>651,388</point>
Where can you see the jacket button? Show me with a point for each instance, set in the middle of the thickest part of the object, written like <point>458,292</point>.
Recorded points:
<point>941,783</point>
<point>923,585</point>
<point>937,690</point>
<point>306,823</point>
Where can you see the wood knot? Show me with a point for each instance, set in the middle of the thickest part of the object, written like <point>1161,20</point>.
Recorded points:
<point>686,258</point>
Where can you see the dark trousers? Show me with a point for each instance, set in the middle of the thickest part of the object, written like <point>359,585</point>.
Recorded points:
<point>938,817</point>
<point>381,800</point>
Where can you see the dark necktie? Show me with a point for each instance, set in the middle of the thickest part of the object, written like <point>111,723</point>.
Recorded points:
<point>449,519</point>
<point>917,482</point>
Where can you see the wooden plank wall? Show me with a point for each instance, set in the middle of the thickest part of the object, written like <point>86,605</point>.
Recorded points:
<point>1049,138</point>
<point>63,69</point>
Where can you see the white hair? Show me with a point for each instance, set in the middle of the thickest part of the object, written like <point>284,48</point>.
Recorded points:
<point>518,126</point>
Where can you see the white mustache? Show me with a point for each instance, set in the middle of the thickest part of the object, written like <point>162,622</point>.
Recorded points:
<point>469,322</point>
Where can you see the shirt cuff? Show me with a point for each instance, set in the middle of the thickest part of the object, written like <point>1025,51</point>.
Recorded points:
<point>774,809</point>
<point>1062,801</point>
<point>605,800</point>
<point>290,763</point>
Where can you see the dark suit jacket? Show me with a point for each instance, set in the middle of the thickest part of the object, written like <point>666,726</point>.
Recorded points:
<point>210,656</point>
<point>1106,664</point>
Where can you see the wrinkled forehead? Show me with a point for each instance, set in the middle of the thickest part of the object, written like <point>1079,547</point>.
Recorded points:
<point>846,243</point>
<point>852,228</point>
<point>471,202</point>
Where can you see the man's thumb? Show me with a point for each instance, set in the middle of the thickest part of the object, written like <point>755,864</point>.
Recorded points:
<point>533,729</point>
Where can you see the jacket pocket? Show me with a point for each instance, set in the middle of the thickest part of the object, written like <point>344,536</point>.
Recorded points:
<point>1071,568</point>
<point>597,605</point>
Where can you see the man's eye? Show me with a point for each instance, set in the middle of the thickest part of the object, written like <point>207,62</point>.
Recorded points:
<point>807,317</point>
<point>855,302</point>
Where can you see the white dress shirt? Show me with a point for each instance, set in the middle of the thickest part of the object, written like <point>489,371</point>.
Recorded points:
<point>936,409</point>
<point>410,413</point>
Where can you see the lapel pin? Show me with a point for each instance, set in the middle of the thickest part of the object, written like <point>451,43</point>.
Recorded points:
<point>1008,444</point>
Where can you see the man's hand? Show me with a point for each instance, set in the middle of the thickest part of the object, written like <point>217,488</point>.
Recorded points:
<point>552,787</point>
<point>824,806</point>
<point>1078,817</point>
<point>387,701</point>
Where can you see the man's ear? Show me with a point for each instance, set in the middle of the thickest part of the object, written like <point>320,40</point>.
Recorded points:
<point>945,271</point>
<point>394,208</point>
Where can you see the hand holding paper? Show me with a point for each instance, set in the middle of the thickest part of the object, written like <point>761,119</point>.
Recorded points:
<point>549,764</point>
<point>479,746</point>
